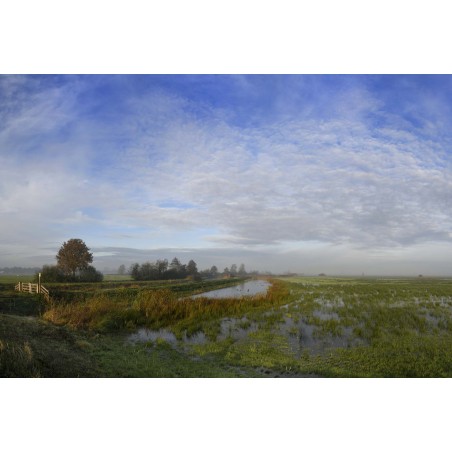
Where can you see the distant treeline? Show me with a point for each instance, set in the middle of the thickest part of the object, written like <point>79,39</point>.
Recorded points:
<point>18,270</point>
<point>161,269</point>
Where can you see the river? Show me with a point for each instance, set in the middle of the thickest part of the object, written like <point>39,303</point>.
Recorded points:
<point>253,287</point>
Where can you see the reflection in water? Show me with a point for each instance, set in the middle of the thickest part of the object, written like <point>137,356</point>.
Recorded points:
<point>145,335</point>
<point>255,287</point>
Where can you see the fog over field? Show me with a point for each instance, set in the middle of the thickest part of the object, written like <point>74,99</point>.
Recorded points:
<point>309,174</point>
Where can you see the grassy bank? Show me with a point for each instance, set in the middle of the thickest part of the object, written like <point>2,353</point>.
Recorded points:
<point>30,347</point>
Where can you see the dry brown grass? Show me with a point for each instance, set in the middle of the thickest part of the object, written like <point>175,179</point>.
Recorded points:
<point>156,309</point>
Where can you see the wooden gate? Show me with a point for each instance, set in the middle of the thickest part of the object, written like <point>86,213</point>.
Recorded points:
<point>33,288</point>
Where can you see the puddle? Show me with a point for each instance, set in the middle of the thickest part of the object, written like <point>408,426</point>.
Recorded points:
<point>302,336</point>
<point>432,320</point>
<point>328,303</point>
<point>237,329</point>
<point>323,315</point>
<point>248,288</point>
<point>195,339</point>
<point>145,335</point>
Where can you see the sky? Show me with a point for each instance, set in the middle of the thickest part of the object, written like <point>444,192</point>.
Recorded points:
<point>335,174</point>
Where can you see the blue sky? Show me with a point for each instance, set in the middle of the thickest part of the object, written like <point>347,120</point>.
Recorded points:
<point>342,174</point>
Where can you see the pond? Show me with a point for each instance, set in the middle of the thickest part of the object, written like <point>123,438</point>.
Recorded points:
<point>254,287</point>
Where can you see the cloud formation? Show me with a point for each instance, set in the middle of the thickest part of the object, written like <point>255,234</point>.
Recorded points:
<point>273,165</point>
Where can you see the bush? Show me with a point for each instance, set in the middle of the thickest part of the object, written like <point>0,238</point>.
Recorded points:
<point>90,274</point>
<point>52,273</point>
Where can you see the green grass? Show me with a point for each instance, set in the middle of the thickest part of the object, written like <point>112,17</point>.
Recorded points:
<point>13,302</point>
<point>30,347</point>
<point>116,358</point>
<point>331,327</point>
<point>13,279</point>
<point>127,289</point>
<point>109,278</point>
<point>159,308</point>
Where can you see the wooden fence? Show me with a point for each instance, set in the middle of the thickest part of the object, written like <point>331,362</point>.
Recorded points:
<point>33,288</point>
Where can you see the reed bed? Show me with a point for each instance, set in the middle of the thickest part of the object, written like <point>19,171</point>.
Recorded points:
<point>158,309</point>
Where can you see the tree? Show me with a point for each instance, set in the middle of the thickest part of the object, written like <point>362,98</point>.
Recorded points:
<point>242,271</point>
<point>134,271</point>
<point>175,265</point>
<point>233,270</point>
<point>148,271</point>
<point>122,270</point>
<point>214,271</point>
<point>192,269</point>
<point>73,256</point>
<point>161,266</point>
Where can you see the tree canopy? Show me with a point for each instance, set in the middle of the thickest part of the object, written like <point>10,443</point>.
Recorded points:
<point>73,257</point>
<point>162,270</point>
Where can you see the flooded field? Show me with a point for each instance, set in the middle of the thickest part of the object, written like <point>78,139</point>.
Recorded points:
<point>336,328</point>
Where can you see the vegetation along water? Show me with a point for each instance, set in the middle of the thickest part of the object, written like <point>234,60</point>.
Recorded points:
<point>299,327</point>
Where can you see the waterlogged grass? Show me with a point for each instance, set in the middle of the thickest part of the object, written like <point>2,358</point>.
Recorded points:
<point>33,348</point>
<point>349,328</point>
<point>116,358</point>
<point>161,308</point>
<point>330,327</point>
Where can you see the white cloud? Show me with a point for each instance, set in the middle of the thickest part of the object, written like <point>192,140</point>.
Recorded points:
<point>341,181</point>
<point>335,181</point>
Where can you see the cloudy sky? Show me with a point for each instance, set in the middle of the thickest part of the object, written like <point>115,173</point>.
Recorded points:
<point>334,174</point>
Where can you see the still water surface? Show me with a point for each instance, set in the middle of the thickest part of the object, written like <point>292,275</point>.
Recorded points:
<point>255,287</point>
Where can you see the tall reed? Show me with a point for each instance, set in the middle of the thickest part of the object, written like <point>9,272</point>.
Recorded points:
<point>157,308</point>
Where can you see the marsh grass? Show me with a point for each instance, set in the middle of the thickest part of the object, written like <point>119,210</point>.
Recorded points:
<point>352,328</point>
<point>162,308</point>
<point>119,288</point>
<point>332,327</point>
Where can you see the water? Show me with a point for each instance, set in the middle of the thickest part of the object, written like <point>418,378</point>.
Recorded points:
<point>229,327</point>
<point>237,329</point>
<point>145,335</point>
<point>248,288</point>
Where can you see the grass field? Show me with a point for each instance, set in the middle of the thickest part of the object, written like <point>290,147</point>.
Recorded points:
<point>14,279</point>
<point>330,327</point>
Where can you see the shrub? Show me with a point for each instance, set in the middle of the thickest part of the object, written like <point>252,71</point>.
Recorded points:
<point>90,274</point>
<point>50,274</point>
<point>53,273</point>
